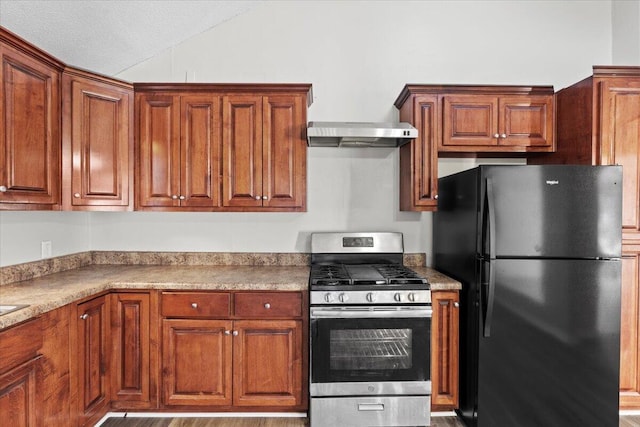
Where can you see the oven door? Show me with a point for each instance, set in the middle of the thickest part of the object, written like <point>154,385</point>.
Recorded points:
<point>370,350</point>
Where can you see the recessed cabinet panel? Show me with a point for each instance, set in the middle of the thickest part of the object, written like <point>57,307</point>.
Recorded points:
<point>284,152</point>
<point>197,361</point>
<point>242,150</point>
<point>30,134</point>
<point>621,143</point>
<point>526,121</point>
<point>200,150</point>
<point>470,120</point>
<point>159,151</point>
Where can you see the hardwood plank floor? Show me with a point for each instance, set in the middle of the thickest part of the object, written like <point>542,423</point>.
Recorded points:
<point>626,421</point>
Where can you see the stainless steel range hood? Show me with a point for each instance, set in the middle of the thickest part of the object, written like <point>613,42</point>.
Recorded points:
<point>359,134</point>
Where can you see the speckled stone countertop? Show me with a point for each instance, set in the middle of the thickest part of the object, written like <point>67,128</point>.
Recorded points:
<point>55,290</point>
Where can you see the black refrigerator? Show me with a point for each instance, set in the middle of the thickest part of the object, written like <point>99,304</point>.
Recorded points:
<point>537,250</point>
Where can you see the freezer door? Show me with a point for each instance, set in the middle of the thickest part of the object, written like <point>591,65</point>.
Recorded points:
<point>552,355</point>
<point>552,211</point>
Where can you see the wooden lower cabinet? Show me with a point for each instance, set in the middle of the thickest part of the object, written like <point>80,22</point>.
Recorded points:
<point>21,375</point>
<point>444,350</point>
<point>267,363</point>
<point>239,350</point>
<point>134,358</point>
<point>92,343</point>
<point>197,362</point>
<point>630,328</point>
<point>20,395</point>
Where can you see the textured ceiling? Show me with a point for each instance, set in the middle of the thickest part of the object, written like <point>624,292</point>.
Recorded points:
<point>109,36</point>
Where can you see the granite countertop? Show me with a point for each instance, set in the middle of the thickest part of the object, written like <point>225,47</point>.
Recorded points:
<point>49,292</point>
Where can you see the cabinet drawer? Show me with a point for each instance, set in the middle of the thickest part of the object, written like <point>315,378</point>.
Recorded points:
<point>268,304</point>
<point>195,304</point>
<point>19,344</point>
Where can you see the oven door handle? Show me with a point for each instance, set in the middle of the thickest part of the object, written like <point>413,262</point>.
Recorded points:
<point>378,313</point>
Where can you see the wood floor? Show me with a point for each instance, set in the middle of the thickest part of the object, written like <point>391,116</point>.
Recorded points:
<point>627,421</point>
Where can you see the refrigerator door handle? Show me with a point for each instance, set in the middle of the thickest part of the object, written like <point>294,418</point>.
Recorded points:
<point>491,291</point>
<point>491,213</point>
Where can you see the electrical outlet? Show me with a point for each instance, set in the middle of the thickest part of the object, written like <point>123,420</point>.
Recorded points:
<point>46,249</point>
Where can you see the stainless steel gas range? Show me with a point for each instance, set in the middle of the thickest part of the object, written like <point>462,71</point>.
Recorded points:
<point>370,320</point>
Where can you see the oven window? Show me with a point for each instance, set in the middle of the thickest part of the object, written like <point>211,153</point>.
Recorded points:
<point>370,349</point>
<point>391,349</point>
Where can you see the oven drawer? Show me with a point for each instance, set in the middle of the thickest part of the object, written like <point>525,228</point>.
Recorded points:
<point>268,304</point>
<point>196,304</point>
<point>371,411</point>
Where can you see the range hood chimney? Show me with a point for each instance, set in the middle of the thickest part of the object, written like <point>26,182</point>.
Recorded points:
<point>359,134</point>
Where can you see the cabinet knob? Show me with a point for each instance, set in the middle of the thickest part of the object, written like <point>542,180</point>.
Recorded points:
<point>496,135</point>
<point>3,189</point>
<point>182,197</point>
<point>194,305</point>
<point>503,136</point>
<point>258,197</point>
<point>264,197</point>
<point>174,197</point>
<point>456,304</point>
<point>267,306</point>
<point>235,333</point>
<point>435,196</point>
<point>84,316</point>
<point>227,332</point>
<point>76,195</point>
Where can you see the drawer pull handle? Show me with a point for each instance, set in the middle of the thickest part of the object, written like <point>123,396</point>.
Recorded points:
<point>370,407</point>
<point>267,306</point>
<point>194,305</point>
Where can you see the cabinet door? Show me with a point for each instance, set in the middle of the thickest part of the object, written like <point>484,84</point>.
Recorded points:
<point>526,121</point>
<point>267,363</point>
<point>419,158</point>
<point>30,133</point>
<point>242,151</point>
<point>20,404</point>
<point>444,350</point>
<point>97,143</point>
<point>200,150</point>
<point>284,152</point>
<point>196,362</point>
<point>630,329</point>
<point>158,171</point>
<point>93,339</point>
<point>620,144</point>
<point>469,120</point>
<point>130,369</point>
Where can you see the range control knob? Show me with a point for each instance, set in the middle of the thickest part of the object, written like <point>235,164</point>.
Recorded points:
<point>411,297</point>
<point>371,297</point>
<point>329,297</point>
<point>398,297</point>
<point>343,297</point>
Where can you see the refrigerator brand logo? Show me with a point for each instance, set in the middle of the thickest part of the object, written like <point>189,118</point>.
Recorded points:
<point>552,182</point>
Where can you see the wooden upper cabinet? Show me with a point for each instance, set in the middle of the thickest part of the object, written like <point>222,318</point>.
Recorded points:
<point>265,153</point>
<point>158,150</point>
<point>199,151</point>
<point>242,150</point>
<point>419,158</point>
<point>97,142</point>
<point>467,119</point>
<point>492,123</point>
<point>221,147</point>
<point>30,131</point>
<point>284,164</point>
<point>620,143</point>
